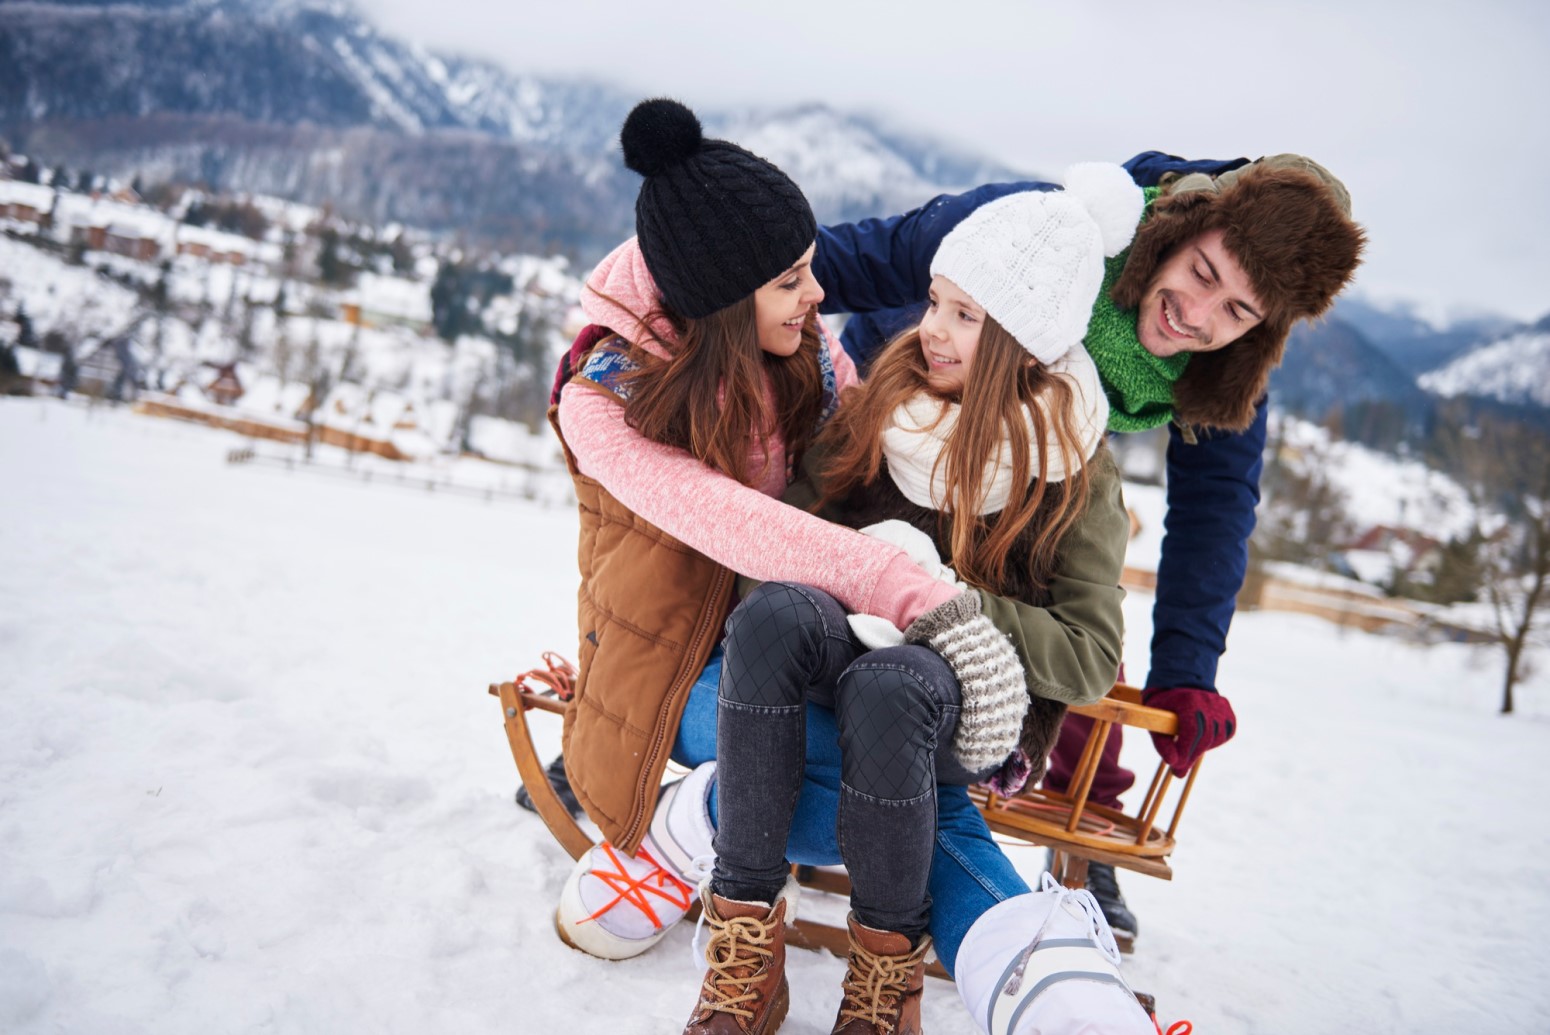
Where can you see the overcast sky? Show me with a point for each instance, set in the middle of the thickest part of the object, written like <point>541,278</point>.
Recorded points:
<point>1437,115</point>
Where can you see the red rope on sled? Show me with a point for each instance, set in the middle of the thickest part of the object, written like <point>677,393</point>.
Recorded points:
<point>559,675</point>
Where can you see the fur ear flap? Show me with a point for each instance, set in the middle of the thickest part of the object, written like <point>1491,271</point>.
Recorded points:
<point>1174,220</point>
<point>1219,389</point>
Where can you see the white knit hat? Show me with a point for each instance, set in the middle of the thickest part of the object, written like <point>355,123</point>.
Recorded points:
<point>1034,260</point>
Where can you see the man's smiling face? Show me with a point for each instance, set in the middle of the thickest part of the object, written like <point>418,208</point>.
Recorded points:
<point>1200,300</point>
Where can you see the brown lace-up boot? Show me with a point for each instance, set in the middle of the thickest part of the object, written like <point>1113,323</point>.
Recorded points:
<point>744,992</point>
<point>883,981</point>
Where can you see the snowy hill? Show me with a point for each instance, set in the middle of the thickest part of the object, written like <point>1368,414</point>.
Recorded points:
<point>310,101</point>
<point>1514,368</point>
<point>250,780</point>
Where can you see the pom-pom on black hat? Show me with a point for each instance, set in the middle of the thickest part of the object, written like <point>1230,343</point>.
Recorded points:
<point>715,222</point>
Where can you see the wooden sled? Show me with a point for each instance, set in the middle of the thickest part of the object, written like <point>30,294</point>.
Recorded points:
<point>1078,831</point>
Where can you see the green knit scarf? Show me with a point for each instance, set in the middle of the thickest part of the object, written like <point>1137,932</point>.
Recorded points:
<point>1139,385</point>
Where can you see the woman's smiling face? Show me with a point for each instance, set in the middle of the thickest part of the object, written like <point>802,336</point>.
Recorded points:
<point>782,306</point>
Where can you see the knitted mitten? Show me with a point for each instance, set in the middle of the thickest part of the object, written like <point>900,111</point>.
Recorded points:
<point>990,677</point>
<point>1206,720</point>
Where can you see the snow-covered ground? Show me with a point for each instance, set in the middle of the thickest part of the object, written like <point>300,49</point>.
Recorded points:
<point>250,780</point>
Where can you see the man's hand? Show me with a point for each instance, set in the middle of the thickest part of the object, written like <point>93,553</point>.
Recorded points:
<point>1205,721</point>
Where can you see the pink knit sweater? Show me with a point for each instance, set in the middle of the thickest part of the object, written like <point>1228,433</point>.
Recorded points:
<point>747,529</point>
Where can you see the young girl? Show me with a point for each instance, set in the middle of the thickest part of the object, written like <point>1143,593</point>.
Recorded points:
<point>970,440</point>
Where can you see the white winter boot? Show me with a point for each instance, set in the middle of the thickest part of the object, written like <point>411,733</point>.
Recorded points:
<point>617,906</point>
<point>1064,979</point>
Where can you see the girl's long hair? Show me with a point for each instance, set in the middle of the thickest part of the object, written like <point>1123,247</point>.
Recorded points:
<point>1003,382</point>
<point>708,397</point>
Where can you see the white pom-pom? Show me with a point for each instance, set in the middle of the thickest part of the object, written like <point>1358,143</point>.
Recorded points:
<point>1112,198</point>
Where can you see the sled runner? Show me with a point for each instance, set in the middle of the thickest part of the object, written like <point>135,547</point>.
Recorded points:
<point>1076,830</point>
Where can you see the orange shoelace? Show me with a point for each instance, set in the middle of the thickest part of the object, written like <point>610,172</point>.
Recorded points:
<point>1176,1028</point>
<point>658,881</point>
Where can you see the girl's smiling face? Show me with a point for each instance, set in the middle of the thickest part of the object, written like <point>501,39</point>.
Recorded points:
<point>949,335</point>
<point>782,306</point>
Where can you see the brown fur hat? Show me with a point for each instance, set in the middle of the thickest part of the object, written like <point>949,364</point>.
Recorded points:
<point>1291,230</point>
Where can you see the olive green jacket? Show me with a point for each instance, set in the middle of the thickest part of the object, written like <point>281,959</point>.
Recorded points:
<point>1069,635</point>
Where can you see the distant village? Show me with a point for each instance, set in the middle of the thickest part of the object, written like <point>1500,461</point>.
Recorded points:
<point>287,323</point>
<point>277,320</point>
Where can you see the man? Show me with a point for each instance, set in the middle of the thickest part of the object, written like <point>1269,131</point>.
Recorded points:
<point>1192,319</point>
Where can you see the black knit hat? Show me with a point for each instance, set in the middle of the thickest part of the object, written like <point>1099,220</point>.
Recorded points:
<point>715,222</point>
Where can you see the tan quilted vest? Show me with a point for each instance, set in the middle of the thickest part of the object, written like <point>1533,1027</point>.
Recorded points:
<point>650,611</point>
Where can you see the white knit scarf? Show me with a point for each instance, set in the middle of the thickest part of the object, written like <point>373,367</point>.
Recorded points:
<point>912,445</point>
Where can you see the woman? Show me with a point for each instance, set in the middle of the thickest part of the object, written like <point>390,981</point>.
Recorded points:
<point>681,430</point>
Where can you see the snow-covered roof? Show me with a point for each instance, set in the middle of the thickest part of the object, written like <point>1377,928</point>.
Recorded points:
<point>227,243</point>
<point>343,408</point>
<point>37,363</point>
<point>81,211</point>
<point>20,192</point>
<point>289,214</point>
<point>395,297</point>
<point>266,397</point>
<point>509,442</point>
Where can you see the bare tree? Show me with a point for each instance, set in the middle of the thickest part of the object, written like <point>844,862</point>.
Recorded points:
<point>1505,466</point>
<point>284,351</point>
<point>1516,572</point>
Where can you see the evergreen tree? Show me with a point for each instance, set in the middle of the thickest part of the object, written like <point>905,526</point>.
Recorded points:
<point>449,303</point>
<point>25,336</point>
<point>160,296</point>
<point>10,370</point>
<point>403,258</point>
<point>331,268</point>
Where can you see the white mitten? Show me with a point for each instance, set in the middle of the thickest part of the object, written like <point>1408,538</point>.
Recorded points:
<point>874,631</point>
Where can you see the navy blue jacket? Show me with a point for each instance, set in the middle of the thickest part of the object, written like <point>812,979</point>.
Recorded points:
<point>879,269</point>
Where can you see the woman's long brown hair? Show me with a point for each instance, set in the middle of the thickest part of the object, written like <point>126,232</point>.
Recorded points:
<point>709,396</point>
<point>1001,385</point>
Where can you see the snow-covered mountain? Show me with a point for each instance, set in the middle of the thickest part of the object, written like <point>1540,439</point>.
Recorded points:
<point>308,100</point>
<point>847,165</point>
<point>1417,342</point>
<point>1513,368</point>
<point>281,63</point>
<point>1332,363</point>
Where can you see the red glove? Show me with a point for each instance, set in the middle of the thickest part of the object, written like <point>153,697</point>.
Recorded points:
<point>1205,721</point>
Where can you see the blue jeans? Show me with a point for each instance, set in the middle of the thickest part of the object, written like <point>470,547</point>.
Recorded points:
<point>969,872</point>
<point>788,645</point>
